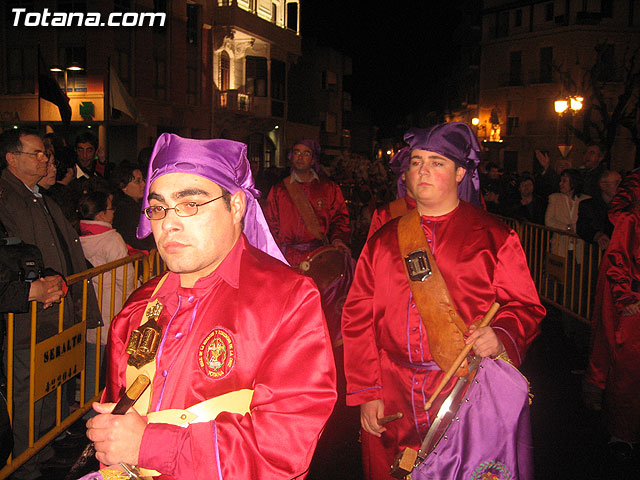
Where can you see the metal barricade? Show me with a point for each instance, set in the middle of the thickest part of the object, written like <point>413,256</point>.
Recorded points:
<point>563,266</point>
<point>56,360</point>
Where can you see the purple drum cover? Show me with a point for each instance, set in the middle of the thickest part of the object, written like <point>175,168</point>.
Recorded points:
<point>490,436</point>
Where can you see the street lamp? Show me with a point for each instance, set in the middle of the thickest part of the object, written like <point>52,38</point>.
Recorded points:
<point>566,108</point>
<point>74,67</point>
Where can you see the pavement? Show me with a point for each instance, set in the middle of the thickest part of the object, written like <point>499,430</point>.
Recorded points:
<point>569,439</point>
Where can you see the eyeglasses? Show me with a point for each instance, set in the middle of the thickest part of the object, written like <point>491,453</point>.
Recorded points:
<point>186,209</point>
<point>38,155</point>
<point>300,153</point>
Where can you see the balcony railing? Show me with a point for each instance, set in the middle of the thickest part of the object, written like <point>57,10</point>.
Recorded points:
<point>233,100</point>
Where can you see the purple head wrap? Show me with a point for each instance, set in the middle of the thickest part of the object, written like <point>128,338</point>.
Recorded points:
<point>315,151</point>
<point>399,164</point>
<point>225,163</point>
<point>457,142</point>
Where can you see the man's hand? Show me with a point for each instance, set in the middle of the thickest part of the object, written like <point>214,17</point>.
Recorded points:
<point>46,290</point>
<point>117,438</point>
<point>340,244</point>
<point>370,412</point>
<point>632,309</point>
<point>543,159</point>
<point>602,239</point>
<point>487,342</point>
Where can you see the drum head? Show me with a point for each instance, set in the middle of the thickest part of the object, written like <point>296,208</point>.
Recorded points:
<point>324,265</point>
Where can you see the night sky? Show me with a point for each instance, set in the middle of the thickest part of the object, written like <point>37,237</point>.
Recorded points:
<point>400,50</point>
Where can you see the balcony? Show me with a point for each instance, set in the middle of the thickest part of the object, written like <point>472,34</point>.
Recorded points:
<point>234,101</point>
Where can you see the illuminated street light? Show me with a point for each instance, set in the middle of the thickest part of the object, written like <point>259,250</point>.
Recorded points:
<point>475,121</point>
<point>561,106</point>
<point>567,107</point>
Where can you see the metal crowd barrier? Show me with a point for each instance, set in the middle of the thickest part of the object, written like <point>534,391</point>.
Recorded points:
<point>563,266</point>
<point>57,359</point>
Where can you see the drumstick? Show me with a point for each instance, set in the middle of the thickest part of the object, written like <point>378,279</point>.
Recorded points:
<point>486,320</point>
<point>390,418</point>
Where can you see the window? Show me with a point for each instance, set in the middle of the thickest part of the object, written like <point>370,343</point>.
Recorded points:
<point>548,12</point>
<point>224,71</point>
<point>546,65</point>
<point>73,55</point>
<point>329,80</point>
<point>292,16</point>
<point>606,8</point>
<point>515,68</point>
<point>512,124</point>
<point>607,64</point>
<point>256,74</point>
<point>21,69</point>
<point>160,78</point>
<point>278,80</point>
<point>502,24</point>
<point>518,18</point>
<point>330,123</point>
<point>192,24</point>
<point>192,85</point>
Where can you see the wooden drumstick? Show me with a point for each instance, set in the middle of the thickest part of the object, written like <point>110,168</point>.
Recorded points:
<point>390,418</point>
<point>486,320</point>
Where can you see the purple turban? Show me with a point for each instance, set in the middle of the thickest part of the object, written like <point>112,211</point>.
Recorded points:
<point>399,164</point>
<point>457,142</point>
<point>225,163</point>
<point>315,151</point>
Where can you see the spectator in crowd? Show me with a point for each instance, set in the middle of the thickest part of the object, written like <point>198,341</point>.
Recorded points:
<point>101,244</point>
<point>547,179</point>
<point>492,189</point>
<point>531,207</point>
<point>37,220</point>
<point>562,212</point>
<point>593,224</point>
<point>86,150</point>
<point>593,168</point>
<point>127,202</point>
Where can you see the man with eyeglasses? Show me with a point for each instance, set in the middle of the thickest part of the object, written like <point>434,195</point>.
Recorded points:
<point>229,318</point>
<point>39,221</point>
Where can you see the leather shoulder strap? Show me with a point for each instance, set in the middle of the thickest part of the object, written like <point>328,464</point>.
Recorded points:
<point>144,402</point>
<point>305,209</point>
<point>398,208</point>
<point>437,310</point>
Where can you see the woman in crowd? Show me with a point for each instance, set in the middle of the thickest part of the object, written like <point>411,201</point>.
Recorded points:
<point>102,244</point>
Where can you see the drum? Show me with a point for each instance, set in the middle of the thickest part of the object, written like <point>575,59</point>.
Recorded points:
<point>482,430</point>
<point>325,265</point>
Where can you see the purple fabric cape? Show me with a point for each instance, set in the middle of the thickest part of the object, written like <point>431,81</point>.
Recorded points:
<point>225,163</point>
<point>457,142</point>
<point>491,432</point>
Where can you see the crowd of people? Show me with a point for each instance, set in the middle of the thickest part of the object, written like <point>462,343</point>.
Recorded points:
<point>234,317</point>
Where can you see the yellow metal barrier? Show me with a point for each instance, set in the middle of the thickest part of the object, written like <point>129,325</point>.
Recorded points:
<point>59,358</point>
<point>563,266</point>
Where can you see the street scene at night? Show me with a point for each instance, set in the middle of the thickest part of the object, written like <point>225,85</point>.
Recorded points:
<point>276,239</point>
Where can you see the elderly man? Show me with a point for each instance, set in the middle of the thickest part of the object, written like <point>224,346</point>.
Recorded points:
<point>593,168</point>
<point>37,220</point>
<point>220,328</point>
<point>395,351</point>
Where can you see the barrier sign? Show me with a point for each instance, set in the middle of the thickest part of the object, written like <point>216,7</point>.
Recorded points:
<point>59,358</point>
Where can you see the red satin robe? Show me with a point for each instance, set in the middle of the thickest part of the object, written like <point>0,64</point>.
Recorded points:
<point>275,344</point>
<point>288,228</point>
<point>382,215</point>
<point>387,353</point>
<point>622,274</point>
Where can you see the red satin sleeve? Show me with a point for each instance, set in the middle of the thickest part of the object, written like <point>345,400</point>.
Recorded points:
<point>516,323</point>
<point>361,357</point>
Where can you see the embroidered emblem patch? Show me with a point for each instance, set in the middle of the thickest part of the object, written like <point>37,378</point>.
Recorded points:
<point>216,355</point>
<point>492,470</point>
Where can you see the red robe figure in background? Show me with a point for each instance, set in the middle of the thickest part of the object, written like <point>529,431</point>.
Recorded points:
<point>622,388</point>
<point>388,362</point>
<point>284,218</point>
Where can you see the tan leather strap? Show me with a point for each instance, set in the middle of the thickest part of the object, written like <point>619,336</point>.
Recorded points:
<point>398,208</point>
<point>439,315</point>
<point>305,209</point>
<point>144,402</point>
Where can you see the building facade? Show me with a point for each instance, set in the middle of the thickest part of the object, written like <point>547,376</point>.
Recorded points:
<point>536,52</point>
